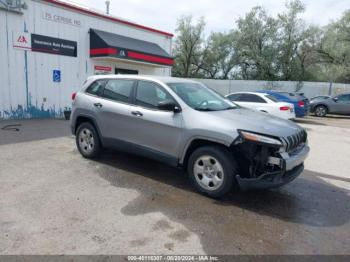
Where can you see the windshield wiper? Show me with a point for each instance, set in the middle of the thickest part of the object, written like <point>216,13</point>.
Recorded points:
<point>230,108</point>
<point>210,109</point>
<point>204,109</point>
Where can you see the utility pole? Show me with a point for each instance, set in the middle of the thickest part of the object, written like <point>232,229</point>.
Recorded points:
<point>107,6</point>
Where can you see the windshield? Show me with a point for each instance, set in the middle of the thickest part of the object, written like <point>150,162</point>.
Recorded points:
<point>200,97</point>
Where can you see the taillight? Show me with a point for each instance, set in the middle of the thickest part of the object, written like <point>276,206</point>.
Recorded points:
<point>284,108</point>
<point>301,103</point>
<point>74,95</point>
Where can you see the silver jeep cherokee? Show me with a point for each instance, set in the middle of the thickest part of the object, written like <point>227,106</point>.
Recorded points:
<point>185,124</point>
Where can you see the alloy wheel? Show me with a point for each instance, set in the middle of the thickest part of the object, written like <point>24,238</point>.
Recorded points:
<point>321,111</point>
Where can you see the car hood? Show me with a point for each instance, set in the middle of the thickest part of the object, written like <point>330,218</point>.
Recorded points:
<point>255,121</point>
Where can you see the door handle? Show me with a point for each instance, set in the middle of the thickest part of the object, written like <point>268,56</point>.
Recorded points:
<point>98,105</point>
<point>136,113</point>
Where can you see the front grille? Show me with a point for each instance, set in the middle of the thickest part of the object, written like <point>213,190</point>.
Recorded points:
<point>294,141</point>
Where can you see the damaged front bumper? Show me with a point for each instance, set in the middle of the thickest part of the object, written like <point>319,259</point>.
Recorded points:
<point>292,165</point>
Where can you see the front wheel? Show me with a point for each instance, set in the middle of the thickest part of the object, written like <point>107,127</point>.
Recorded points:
<point>212,170</point>
<point>321,111</point>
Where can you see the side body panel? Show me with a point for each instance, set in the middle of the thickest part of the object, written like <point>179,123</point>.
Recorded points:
<point>342,106</point>
<point>159,130</point>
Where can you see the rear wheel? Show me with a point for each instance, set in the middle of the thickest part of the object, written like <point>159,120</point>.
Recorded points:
<point>212,170</point>
<point>87,141</point>
<point>321,111</point>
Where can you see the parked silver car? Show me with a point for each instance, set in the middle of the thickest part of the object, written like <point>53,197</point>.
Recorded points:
<point>339,105</point>
<point>318,98</point>
<point>185,124</point>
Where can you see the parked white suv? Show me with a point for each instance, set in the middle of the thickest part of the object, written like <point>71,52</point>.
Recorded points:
<point>185,124</point>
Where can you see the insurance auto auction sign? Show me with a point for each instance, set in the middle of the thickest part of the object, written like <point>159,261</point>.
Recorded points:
<point>51,45</point>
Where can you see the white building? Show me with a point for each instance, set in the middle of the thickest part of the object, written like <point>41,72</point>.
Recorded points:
<point>48,48</point>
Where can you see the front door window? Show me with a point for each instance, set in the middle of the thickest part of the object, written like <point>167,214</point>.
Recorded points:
<point>149,95</point>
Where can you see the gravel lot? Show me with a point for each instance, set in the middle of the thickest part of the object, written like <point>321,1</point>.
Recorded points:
<point>52,201</point>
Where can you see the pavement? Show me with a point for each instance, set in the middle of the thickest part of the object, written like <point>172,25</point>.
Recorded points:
<point>14,131</point>
<point>52,201</point>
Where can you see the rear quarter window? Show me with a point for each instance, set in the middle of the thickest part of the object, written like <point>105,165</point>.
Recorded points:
<point>272,98</point>
<point>96,87</point>
<point>234,97</point>
<point>251,98</point>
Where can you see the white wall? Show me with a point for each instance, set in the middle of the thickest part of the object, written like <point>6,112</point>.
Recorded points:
<point>310,89</point>
<point>47,98</point>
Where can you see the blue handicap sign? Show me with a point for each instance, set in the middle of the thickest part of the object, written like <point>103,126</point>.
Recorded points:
<point>56,76</point>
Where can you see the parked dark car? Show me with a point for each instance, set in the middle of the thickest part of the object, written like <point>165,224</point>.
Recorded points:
<point>339,105</point>
<point>300,102</point>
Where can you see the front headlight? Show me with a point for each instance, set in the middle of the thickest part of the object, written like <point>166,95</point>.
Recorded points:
<point>260,138</point>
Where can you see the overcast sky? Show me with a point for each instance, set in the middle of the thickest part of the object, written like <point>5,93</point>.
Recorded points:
<point>219,14</point>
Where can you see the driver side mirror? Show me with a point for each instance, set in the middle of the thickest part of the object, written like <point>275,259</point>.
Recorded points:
<point>335,99</point>
<point>169,105</point>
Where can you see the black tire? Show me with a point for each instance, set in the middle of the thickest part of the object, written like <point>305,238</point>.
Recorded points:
<point>321,111</point>
<point>227,162</point>
<point>92,150</point>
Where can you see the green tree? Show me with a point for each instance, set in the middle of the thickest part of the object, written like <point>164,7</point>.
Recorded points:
<point>292,33</point>
<point>188,46</point>
<point>308,57</point>
<point>218,56</point>
<point>256,39</point>
<point>334,49</point>
<point>262,47</point>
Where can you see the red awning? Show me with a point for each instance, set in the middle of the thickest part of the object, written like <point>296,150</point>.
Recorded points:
<point>104,44</point>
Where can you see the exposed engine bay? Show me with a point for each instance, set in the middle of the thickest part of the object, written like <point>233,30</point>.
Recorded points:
<point>256,159</point>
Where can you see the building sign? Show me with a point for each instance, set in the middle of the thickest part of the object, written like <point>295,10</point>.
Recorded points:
<point>53,45</point>
<point>21,40</point>
<point>56,76</point>
<point>122,53</point>
<point>102,70</point>
<point>61,19</point>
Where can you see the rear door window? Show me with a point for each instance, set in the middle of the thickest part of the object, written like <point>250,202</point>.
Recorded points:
<point>119,90</point>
